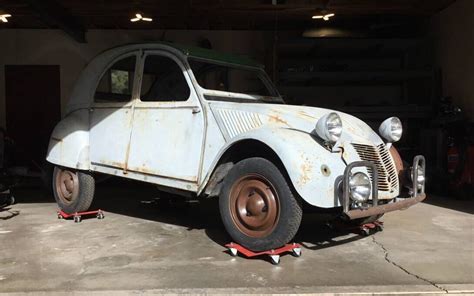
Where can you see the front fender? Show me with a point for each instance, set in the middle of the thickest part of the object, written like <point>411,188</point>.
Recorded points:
<point>312,169</point>
<point>69,142</point>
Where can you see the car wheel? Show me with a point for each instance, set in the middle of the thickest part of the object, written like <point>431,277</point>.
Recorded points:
<point>257,206</point>
<point>73,190</point>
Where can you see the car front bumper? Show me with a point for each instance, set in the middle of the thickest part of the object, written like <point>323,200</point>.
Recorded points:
<point>418,192</point>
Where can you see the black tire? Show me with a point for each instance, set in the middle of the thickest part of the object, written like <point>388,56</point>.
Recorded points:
<point>289,209</point>
<point>81,195</point>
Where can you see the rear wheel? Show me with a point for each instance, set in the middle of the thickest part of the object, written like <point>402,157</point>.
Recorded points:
<point>73,190</point>
<point>257,206</point>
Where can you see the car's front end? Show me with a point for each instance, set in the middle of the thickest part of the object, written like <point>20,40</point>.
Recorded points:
<point>333,159</point>
<point>375,180</point>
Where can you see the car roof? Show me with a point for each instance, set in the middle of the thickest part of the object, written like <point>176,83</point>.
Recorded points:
<point>209,54</point>
<point>83,91</point>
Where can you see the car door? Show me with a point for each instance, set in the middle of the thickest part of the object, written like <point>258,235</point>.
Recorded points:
<point>111,114</point>
<point>168,123</point>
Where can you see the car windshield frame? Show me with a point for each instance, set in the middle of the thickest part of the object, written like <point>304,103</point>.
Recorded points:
<point>219,95</point>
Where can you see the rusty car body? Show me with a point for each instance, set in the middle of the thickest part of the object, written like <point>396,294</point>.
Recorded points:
<point>190,145</point>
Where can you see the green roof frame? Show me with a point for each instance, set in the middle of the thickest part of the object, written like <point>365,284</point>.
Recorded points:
<point>209,54</point>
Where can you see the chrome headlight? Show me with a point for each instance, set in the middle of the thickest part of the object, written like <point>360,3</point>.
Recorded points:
<point>329,127</point>
<point>391,129</point>
<point>360,187</point>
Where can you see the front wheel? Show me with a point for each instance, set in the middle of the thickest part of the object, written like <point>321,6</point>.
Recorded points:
<point>257,206</point>
<point>73,190</point>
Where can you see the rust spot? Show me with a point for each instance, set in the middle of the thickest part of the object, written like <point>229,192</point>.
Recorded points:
<point>350,129</point>
<point>305,176</point>
<point>113,164</point>
<point>145,170</point>
<point>304,114</point>
<point>398,164</point>
<point>277,119</point>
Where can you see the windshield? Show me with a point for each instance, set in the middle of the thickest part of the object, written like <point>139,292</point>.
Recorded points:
<point>250,83</point>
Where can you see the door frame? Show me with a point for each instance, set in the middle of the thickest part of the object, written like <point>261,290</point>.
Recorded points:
<point>193,103</point>
<point>118,105</point>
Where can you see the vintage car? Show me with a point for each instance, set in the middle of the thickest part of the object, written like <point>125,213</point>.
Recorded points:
<point>202,124</point>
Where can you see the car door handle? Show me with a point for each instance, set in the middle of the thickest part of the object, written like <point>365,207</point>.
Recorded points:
<point>196,110</point>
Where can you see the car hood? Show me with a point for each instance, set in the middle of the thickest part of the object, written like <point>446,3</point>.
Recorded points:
<point>236,118</point>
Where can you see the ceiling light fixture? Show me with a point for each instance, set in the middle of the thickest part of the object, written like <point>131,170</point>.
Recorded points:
<point>139,17</point>
<point>3,17</point>
<point>324,16</point>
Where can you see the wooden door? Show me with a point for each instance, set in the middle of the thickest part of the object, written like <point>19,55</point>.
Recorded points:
<point>32,109</point>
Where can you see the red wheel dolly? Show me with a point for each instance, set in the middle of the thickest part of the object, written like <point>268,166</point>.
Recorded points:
<point>294,248</point>
<point>369,228</point>
<point>77,217</point>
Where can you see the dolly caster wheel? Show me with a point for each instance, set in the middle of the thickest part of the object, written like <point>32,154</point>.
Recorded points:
<point>379,227</point>
<point>77,219</point>
<point>365,232</point>
<point>296,252</point>
<point>233,252</point>
<point>275,259</point>
<point>59,216</point>
<point>100,215</point>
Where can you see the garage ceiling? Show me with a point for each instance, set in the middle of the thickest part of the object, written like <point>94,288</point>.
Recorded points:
<point>76,16</point>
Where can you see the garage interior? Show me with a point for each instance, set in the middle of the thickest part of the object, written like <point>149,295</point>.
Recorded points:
<point>371,59</point>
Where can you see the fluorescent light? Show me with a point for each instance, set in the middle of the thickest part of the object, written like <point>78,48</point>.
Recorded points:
<point>3,17</point>
<point>324,16</point>
<point>139,17</point>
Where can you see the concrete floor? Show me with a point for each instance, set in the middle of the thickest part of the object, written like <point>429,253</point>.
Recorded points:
<point>145,248</point>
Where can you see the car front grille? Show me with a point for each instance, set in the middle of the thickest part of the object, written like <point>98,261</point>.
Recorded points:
<point>387,174</point>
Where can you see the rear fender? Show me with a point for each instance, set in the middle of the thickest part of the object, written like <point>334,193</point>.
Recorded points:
<point>69,142</point>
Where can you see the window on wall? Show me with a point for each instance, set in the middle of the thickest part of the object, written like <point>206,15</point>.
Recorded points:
<point>163,80</point>
<point>116,84</point>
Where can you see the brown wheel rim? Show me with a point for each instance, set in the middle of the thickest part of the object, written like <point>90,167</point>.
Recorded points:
<point>254,206</point>
<point>67,185</point>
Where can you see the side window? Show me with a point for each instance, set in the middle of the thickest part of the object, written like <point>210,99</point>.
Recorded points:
<point>116,84</point>
<point>163,80</point>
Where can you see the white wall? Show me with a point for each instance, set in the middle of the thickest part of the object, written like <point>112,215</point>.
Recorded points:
<point>53,47</point>
<point>453,32</point>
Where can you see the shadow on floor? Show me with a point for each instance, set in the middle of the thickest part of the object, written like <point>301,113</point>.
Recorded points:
<point>7,213</point>
<point>144,201</point>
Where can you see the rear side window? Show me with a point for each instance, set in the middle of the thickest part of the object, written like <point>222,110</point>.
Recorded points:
<point>116,84</point>
<point>163,80</point>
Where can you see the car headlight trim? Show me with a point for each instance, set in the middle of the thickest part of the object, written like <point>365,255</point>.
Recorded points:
<point>420,180</point>
<point>329,127</point>
<point>391,129</point>
<point>360,187</point>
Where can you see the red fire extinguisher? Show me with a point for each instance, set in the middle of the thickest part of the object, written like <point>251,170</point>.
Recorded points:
<point>453,159</point>
<point>461,170</point>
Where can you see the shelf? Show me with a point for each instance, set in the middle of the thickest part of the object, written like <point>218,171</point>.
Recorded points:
<point>355,76</point>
